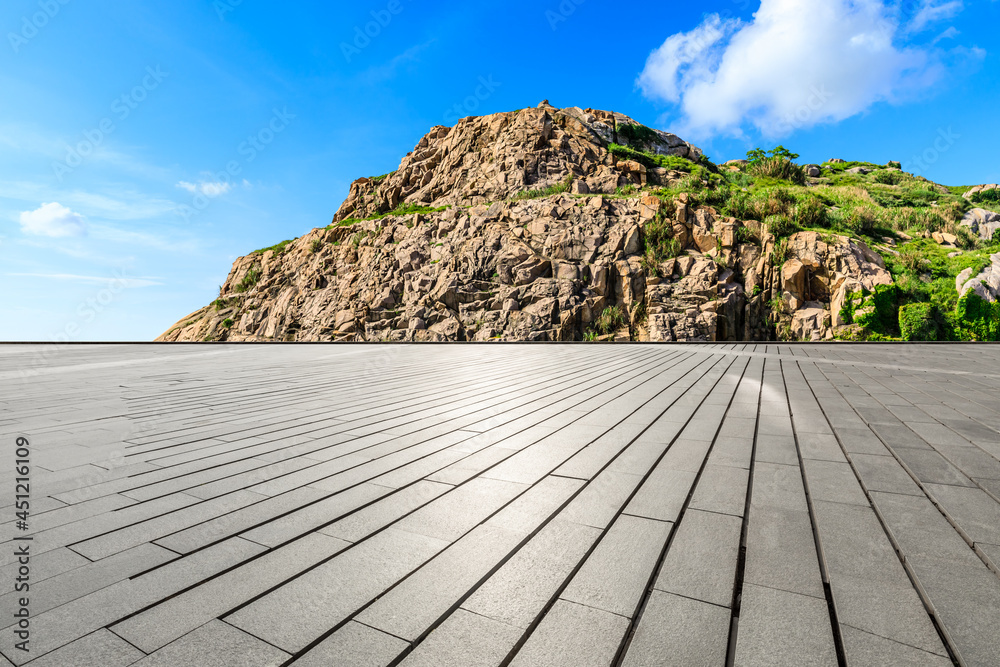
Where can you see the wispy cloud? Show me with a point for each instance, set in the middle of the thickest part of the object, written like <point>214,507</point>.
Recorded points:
<point>207,188</point>
<point>386,71</point>
<point>53,219</point>
<point>94,280</point>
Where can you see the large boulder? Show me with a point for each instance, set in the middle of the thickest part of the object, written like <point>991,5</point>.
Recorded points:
<point>982,222</point>
<point>986,284</point>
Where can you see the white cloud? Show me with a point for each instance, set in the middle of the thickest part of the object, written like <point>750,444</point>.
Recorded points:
<point>796,64</point>
<point>53,220</point>
<point>94,280</point>
<point>932,11</point>
<point>207,188</point>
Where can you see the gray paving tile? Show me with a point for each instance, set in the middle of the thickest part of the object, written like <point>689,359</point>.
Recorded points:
<point>99,609</point>
<point>355,645</point>
<point>931,467</point>
<point>975,513</point>
<point>173,618</point>
<point>862,648</point>
<point>602,499</point>
<point>412,607</point>
<point>781,551</point>
<point>298,613</point>
<point>833,482</point>
<point>819,446</point>
<point>146,531</point>
<point>967,599</point>
<point>973,461</point>
<point>100,648</point>
<point>781,628</point>
<point>735,451</point>
<point>674,630</point>
<point>520,589</point>
<point>314,516</point>
<point>572,635</point>
<point>86,579</point>
<point>382,513</point>
<point>462,508</point>
<point>701,560</point>
<point>860,440</point>
<point>465,640</point>
<point>870,587</point>
<point>216,643</point>
<point>616,574</point>
<point>663,493</point>
<point>884,473</point>
<point>721,489</point>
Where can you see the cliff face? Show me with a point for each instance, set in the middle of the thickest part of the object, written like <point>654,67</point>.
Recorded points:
<point>532,225</point>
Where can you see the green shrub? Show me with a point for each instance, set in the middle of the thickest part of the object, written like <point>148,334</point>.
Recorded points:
<point>780,253</point>
<point>659,244</point>
<point>979,317</point>
<point>876,310</point>
<point>886,177</point>
<point>861,220</point>
<point>758,155</point>
<point>636,134</point>
<point>986,197</point>
<point>315,246</point>
<point>781,226</point>
<point>920,322</point>
<point>611,320</point>
<point>779,168</point>
<point>227,323</point>
<point>653,161</point>
<point>746,235</point>
<point>811,212</point>
<point>250,279</point>
<point>564,186</point>
<point>278,249</point>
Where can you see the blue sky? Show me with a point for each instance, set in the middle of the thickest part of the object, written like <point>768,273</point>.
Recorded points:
<point>145,145</point>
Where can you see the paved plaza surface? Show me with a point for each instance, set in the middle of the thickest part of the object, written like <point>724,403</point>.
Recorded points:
<point>524,505</point>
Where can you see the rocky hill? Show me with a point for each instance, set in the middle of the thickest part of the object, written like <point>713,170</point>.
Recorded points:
<point>551,224</point>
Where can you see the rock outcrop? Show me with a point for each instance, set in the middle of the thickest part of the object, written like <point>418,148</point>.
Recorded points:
<point>464,243</point>
<point>985,284</point>
<point>982,222</point>
<point>492,158</point>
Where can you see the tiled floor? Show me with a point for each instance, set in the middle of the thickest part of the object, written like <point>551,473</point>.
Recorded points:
<point>506,505</point>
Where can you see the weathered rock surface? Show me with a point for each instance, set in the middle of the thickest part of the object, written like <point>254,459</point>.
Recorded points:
<point>492,158</point>
<point>491,266</point>
<point>982,222</point>
<point>986,284</point>
<point>980,188</point>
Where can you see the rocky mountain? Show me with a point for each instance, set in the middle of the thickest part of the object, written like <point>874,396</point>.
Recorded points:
<point>550,224</point>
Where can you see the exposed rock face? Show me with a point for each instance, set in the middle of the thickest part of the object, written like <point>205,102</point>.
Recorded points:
<point>986,284</point>
<point>818,276</point>
<point>553,268</point>
<point>491,158</point>
<point>981,188</point>
<point>982,222</point>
